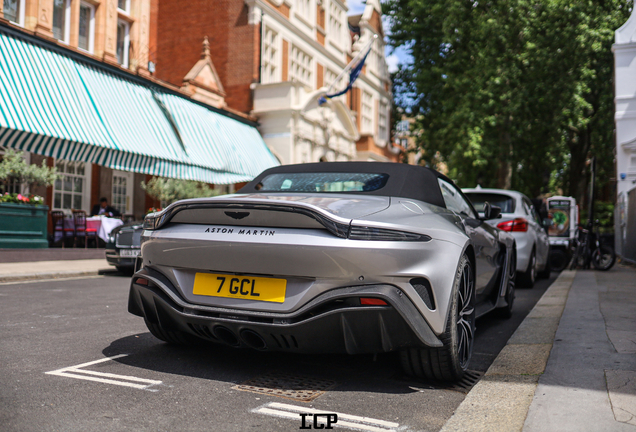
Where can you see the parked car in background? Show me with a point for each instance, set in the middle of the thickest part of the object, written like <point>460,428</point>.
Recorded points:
<point>331,257</point>
<point>124,246</point>
<point>520,218</point>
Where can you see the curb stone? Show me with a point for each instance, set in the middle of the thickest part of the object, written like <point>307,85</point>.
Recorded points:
<point>52,275</point>
<point>502,398</point>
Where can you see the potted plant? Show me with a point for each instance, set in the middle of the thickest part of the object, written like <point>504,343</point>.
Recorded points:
<point>23,216</point>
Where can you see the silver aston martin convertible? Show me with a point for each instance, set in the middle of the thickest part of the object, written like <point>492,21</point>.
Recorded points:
<point>342,257</point>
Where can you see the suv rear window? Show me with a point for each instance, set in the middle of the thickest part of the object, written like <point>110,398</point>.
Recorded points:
<point>322,182</point>
<point>506,203</point>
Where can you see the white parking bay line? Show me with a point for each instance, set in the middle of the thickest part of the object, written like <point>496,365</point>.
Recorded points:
<point>104,378</point>
<point>344,420</point>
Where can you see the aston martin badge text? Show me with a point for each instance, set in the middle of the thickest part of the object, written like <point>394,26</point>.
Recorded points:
<point>250,232</point>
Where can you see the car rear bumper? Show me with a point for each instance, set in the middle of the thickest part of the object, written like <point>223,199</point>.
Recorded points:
<point>113,258</point>
<point>330,323</point>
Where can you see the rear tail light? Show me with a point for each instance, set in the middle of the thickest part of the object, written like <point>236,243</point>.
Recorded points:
<point>372,302</point>
<point>515,225</point>
<point>381,234</point>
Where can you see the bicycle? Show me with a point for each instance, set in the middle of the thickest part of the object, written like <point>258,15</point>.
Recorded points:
<point>588,249</point>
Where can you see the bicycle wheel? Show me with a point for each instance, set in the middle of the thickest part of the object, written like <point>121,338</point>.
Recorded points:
<point>603,258</point>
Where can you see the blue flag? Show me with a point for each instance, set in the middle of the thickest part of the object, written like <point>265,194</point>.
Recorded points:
<point>353,75</point>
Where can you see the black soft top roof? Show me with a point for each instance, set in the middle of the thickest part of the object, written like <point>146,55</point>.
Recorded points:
<point>405,181</point>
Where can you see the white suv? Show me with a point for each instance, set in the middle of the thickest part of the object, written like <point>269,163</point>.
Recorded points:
<point>519,217</point>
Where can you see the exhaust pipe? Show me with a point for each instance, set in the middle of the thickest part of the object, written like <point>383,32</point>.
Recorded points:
<point>253,339</point>
<point>226,335</point>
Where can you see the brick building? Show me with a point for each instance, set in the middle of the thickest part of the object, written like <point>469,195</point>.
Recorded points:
<point>76,92</point>
<point>275,59</point>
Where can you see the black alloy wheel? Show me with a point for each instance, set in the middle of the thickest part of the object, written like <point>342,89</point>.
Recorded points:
<point>449,362</point>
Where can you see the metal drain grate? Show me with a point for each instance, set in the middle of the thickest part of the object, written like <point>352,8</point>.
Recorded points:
<point>287,385</point>
<point>467,382</point>
<point>464,385</point>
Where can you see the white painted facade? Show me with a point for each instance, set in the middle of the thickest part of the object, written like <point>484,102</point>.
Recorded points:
<point>294,126</point>
<point>625,117</point>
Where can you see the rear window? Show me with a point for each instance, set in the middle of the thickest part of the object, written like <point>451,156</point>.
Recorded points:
<point>506,203</point>
<point>322,182</point>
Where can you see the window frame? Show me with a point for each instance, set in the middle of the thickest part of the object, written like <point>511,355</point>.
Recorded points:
<point>91,27</point>
<point>308,68</point>
<point>84,194</point>
<point>457,198</point>
<point>20,16</point>
<point>67,22</point>
<point>267,61</point>
<point>126,48</point>
<point>126,10</point>
<point>129,195</point>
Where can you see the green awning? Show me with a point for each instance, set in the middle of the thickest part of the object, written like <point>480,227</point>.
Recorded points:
<point>56,105</point>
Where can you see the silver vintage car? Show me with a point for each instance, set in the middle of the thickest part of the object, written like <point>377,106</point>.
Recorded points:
<point>340,257</point>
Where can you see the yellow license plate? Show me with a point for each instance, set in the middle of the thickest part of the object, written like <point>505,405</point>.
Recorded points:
<point>243,287</point>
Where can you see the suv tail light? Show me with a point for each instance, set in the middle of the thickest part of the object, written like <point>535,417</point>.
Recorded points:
<point>515,225</point>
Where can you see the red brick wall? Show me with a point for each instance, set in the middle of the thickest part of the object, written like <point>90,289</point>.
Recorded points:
<point>234,44</point>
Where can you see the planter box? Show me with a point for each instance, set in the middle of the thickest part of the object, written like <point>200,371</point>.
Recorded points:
<point>23,226</point>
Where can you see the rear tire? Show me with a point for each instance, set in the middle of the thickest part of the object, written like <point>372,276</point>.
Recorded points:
<point>449,362</point>
<point>558,260</point>
<point>545,273</point>
<point>528,278</point>
<point>603,258</point>
<point>170,336</point>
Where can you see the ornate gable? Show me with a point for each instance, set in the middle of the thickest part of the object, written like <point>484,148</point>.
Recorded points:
<point>202,82</point>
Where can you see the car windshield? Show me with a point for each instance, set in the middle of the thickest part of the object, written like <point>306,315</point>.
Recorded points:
<point>322,182</point>
<point>506,203</point>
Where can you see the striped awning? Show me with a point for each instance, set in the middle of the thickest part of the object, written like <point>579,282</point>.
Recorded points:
<point>56,105</point>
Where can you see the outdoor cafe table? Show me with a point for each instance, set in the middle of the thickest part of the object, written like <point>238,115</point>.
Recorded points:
<point>103,225</point>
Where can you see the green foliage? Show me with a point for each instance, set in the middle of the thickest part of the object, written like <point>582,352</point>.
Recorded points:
<point>168,190</point>
<point>15,171</point>
<point>511,93</point>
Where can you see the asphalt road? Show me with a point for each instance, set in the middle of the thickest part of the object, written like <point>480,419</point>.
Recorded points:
<point>135,382</point>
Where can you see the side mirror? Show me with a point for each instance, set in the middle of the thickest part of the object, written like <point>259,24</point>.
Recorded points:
<point>491,211</point>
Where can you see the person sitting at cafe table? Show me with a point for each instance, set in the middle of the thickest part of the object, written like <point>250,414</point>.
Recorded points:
<point>104,209</point>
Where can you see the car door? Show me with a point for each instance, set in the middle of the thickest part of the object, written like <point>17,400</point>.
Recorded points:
<point>483,237</point>
<point>542,242</point>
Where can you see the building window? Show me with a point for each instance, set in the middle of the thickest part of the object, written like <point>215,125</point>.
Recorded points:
<point>270,57</point>
<point>403,126</point>
<point>69,192</point>
<point>61,19</point>
<point>123,42</point>
<point>301,67</point>
<point>383,121</point>
<point>304,8</point>
<point>330,78</point>
<point>335,22</point>
<point>86,27</point>
<point>122,191</point>
<point>367,112</point>
<point>14,11</point>
<point>123,5</point>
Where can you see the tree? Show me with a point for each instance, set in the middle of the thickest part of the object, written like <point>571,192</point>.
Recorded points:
<point>14,171</point>
<point>168,190</point>
<point>512,93</point>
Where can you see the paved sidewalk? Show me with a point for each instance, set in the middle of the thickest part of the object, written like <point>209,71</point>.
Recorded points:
<point>14,272</point>
<point>570,366</point>
<point>590,381</point>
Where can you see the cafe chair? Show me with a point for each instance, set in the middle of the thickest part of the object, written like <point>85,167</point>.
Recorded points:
<point>79,216</point>
<point>128,218</point>
<point>60,232</point>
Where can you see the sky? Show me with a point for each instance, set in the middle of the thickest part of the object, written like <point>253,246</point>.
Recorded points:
<point>393,57</point>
